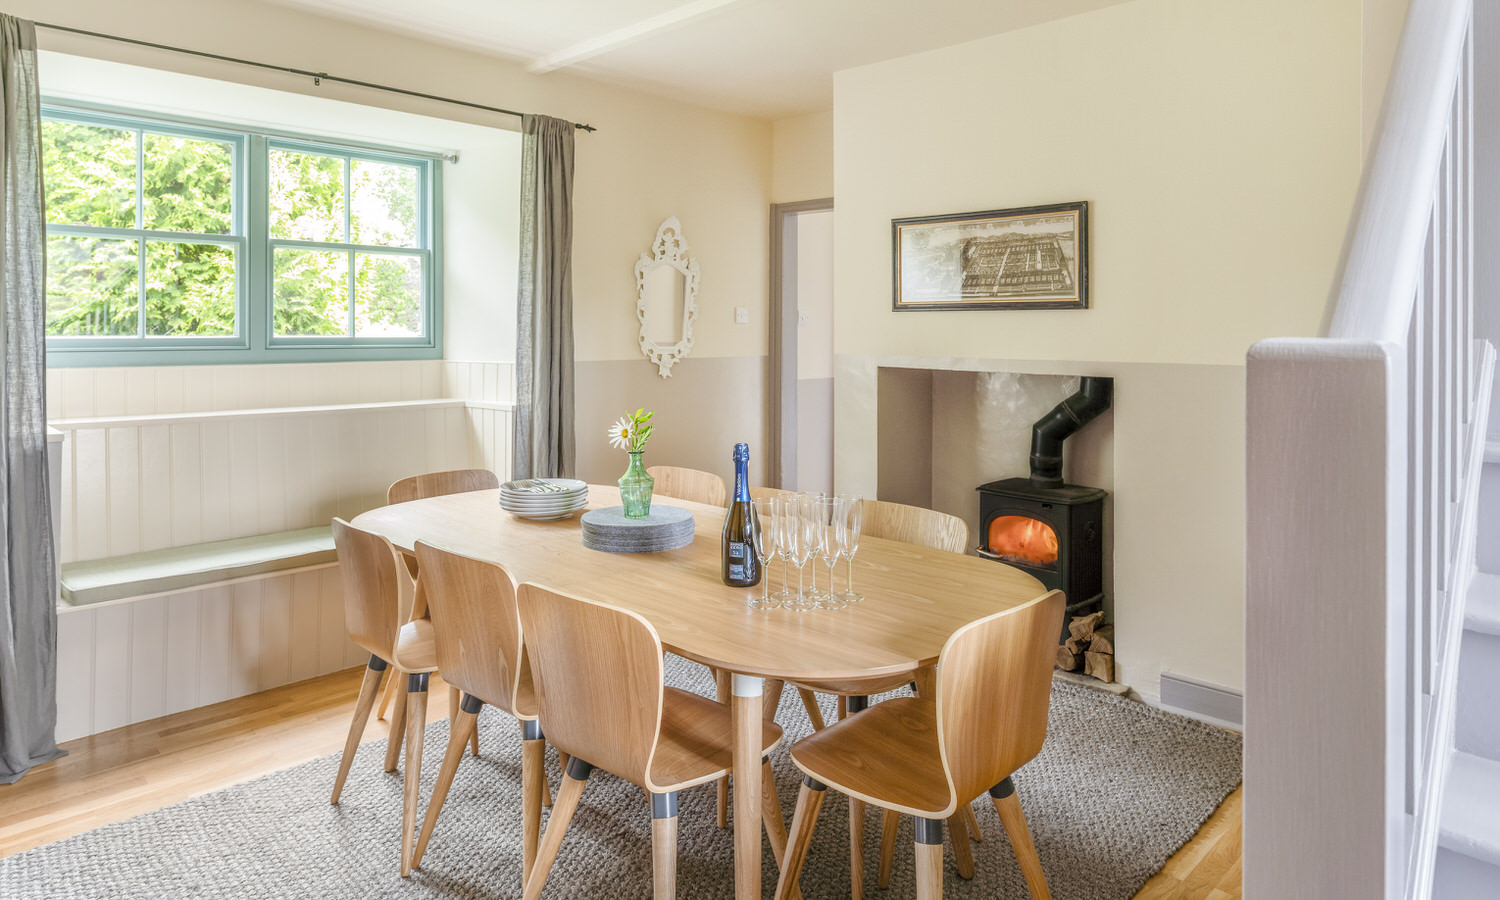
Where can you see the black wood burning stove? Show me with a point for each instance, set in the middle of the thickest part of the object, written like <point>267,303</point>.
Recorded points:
<point>1053,530</point>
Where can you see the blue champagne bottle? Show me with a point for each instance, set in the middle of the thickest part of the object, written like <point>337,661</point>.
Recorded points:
<point>741,567</point>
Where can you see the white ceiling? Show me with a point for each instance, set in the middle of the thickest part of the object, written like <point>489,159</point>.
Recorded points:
<point>764,58</point>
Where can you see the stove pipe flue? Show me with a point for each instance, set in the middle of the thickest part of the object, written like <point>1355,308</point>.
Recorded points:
<point>1049,432</point>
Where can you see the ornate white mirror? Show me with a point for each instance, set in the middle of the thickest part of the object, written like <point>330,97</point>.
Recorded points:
<point>666,282</point>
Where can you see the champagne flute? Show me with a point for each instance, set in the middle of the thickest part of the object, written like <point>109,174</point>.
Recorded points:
<point>802,536</point>
<point>786,511</point>
<point>829,513</point>
<point>850,522</point>
<point>764,526</point>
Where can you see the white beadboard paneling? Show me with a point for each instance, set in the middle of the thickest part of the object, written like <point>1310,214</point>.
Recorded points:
<point>158,485</point>
<point>323,466</point>
<point>148,664</point>
<point>198,392</point>
<point>54,393</point>
<point>275,658</point>
<point>78,393</point>
<point>271,462</point>
<point>169,391</point>
<point>187,483</point>
<point>183,650</point>
<point>75,674</point>
<point>124,479</point>
<point>109,393</point>
<point>140,391</point>
<point>244,479</point>
<point>214,461</point>
<point>331,636</point>
<point>111,667</point>
<point>244,652</point>
<point>216,640</point>
<point>68,527</point>
<point>305,614</point>
<point>91,496</point>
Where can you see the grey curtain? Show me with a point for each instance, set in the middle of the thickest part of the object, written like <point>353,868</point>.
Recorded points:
<point>544,444</point>
<point>28,589</point>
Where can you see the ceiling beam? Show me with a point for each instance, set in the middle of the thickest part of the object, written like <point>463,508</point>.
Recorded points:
<point>630,34</point>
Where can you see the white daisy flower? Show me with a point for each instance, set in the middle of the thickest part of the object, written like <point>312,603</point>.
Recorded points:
<point>619,434</point>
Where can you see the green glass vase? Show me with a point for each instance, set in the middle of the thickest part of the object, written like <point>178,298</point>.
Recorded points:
<point>635,488</point>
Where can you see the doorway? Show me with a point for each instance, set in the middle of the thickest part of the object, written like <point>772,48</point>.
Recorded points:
<point>801,338</point>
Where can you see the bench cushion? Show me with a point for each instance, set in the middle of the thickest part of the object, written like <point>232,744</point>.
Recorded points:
<point>195,565</point>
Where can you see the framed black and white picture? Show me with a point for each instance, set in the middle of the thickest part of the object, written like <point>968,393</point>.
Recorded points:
<point>1034,257</point>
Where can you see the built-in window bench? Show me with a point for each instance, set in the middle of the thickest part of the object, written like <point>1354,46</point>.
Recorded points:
<point>197,559</point>
<point>156,573</point>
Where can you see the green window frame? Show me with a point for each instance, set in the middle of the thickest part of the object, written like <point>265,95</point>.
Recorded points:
<point>255,339</point>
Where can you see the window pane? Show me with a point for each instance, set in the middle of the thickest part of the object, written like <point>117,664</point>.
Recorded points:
<point>92,286</point>
<point>307,196</point>
<point>383,205</point>
<point>189,289</point>
<point>188,184</point>
<point>311,292</point>
<point>387,295</point>
<point>90,174</point>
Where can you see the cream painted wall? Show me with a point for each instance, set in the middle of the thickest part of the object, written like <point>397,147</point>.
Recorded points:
<point>1382,26</point>
<point>1219,175</point>
<point>802,158</point>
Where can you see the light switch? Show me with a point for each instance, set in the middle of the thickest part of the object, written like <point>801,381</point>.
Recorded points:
<point>801,318</point>
<point>741,315</point>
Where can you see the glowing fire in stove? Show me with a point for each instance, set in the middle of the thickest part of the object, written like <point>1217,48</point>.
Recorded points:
<point>1023,539</point>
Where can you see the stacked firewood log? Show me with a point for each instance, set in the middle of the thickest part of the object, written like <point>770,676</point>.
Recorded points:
<point>1090,646</point>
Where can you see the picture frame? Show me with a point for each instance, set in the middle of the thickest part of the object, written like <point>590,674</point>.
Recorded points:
<point>1033,257</point>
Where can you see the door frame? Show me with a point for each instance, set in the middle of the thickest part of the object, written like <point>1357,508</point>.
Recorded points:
<point>781,462</point>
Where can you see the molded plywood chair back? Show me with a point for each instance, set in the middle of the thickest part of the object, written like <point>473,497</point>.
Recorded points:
<point>693,485</point>
<point>599,680</point>
<point>377,596</point>
<point>477,631</point>
<point>439,484</point>
<point>915,525</point>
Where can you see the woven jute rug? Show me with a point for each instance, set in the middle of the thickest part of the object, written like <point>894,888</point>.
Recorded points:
<point>1116,790</point>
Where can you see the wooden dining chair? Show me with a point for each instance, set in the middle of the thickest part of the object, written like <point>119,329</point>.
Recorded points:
<point>925,528</point>
<point>382,615</point>
<point>420,487</point>
<point>928,757</point>
<point>598,672</point>
<point>477,631</point>
<point>693,485</point>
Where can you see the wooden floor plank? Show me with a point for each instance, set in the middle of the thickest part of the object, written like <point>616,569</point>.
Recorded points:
<point>113,776</point>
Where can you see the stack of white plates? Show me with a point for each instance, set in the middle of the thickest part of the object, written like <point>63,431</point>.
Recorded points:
<point>544,498</point>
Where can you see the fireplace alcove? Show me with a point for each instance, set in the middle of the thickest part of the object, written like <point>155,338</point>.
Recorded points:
<point>943,432</point>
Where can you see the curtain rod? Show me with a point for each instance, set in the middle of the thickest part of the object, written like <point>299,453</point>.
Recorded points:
<point>317,77</point>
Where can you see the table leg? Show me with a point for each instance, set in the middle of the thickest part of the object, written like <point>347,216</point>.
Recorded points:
<point>748,713</point>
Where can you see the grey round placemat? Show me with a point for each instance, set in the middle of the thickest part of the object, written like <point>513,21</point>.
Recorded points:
<point>666,528</point>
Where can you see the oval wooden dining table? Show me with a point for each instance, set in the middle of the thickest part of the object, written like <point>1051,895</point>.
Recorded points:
<point>914,599</point>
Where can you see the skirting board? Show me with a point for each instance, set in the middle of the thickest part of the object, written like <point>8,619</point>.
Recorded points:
<point>1218,705</point>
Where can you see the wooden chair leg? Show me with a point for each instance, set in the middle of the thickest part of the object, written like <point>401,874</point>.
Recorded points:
<point>929,858</point>
<point>810,703</point>
<point>972,821</point>
<point>416,719</point>
<point>453,706</point>
<point>387,695</point>
<point>809,803</point>
<point>721,683</point>
<point>850,706</point>
<point>533,791</point>
<point>1008,805</point>
<point>889,822</point>
<point>664,846</point>
<point>963,854</point>
<point>367,688</point>
<point>775,821</point>
<point>574,778</point>
<point>398,722</point>
<point>460,723</point>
